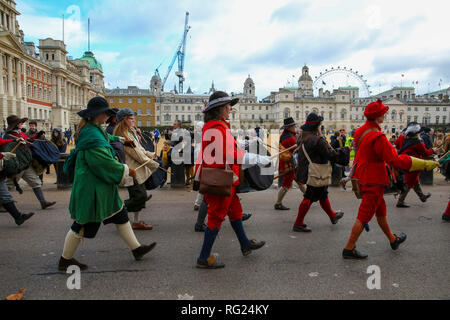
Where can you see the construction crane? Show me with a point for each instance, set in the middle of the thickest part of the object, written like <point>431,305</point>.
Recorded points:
<point>180,54</point>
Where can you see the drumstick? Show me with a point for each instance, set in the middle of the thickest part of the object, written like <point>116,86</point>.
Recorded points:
<point>147,162</point>
<point>444,156</point>
<point>16,147</point>
<point>285,150</point>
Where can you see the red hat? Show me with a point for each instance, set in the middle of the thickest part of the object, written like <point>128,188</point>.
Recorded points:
<point>375,110</point>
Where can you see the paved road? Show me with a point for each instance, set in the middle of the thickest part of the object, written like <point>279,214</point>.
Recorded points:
<point>290,266</point>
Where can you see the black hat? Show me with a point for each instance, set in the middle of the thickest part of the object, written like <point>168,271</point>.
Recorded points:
<point>115,110</point>
<point>13,121</point>
<point>219,99</point>
<point>123,113</point>
<point>96,106</point>
<point>288,122</point>
<point>312,122</point>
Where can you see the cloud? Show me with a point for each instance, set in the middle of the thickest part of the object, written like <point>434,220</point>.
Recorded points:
<point>271,40</point>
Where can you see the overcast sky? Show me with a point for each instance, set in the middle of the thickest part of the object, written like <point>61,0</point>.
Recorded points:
<point>270,40</point>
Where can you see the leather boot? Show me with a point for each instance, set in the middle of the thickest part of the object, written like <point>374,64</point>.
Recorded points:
<point>401,199</point>
<point>19,218</point>
<point>423,197</point>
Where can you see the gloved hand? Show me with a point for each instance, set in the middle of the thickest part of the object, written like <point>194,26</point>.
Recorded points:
<point>132,173</point>
<point>420,164</point>
<point>21,140</point>
<point>129,143</point>
<point>8,155</point>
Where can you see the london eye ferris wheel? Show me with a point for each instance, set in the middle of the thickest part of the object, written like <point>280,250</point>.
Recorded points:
<point>335,78</point>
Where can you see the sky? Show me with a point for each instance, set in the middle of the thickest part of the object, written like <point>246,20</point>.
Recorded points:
<point>391,43</point>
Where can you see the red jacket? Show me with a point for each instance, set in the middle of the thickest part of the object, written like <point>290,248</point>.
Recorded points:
<point>373,154</point>
<point>418,151</point>
<point>4,142</point>
<point>399,142</point>
<point>219,148</point>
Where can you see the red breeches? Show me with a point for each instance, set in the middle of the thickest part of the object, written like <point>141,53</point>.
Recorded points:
<point>220,207</point>
<point>372,203</point>
<point>287,180</point>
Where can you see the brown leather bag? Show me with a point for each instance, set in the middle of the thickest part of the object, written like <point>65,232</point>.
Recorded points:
<point>216,181</point>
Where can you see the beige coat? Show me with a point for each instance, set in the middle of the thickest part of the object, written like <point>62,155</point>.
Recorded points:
<point>135,157</point>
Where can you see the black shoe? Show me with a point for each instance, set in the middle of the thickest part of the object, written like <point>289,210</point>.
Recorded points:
<point>302,228</point>
<point>425,197</point>
<point>280,206</point>
<point>339,215</point>
<point>254,245</point>
<point>246,216</point>
<point>445,217</point>
<point>353,254</point>
<point>142,250</point>
<point>23,217</point>
<point>398,240</point>
<point>64,264</point>
<point>200,228</point>
<point>402,205</point>
<point>46,204</point>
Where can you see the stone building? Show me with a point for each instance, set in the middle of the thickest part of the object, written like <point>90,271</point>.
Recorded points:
<point>140,101</point>
<point>44,85</point>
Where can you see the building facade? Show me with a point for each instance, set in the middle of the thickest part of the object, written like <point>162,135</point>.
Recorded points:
<point>44,85</point>
<point>341,108</point>
<point>139,100</point>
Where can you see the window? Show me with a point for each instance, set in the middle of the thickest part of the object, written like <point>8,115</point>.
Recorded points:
<point>139,123</point>
<point>130,100</point>
<point>148,111</point>
<point>148,123</point>
<point>330,115</point>
<point>120,100</point>
<point>111,100</point>
<point>176,108</point>
<point>427,109</point>
<point>444,119</point>
<point>182,108</point>
<point>148,100</point>
<point>139,100</point>
<point>189,117</point>
<point>438,109</point>
<point>408,119</point>
<point>53,56</point>
<point>415,109</point>
<point>182,118</point>
<point>139,111</point>
<point>444,109</point>
<point>437,119</point>
<point>28,71</point>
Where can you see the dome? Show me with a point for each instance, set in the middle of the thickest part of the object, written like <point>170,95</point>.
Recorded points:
<point>155,78</point>
<point>305,75</point>
<point>93,62</point>
<point>248,81</point>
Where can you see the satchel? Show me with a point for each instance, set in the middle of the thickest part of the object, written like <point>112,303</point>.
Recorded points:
<point>319,175</point>
<point>216,181</point>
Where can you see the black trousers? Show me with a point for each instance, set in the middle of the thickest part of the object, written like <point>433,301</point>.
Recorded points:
<point>138,197</point>
<point>316,193</point>
<point>90,229</point>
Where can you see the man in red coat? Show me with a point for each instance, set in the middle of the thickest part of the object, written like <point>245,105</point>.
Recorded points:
<point>414,147</point>
<point>373,153</point>
<point>288,139</point>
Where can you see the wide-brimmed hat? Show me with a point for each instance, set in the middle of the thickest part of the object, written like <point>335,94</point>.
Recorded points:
<point>219,99</point>
<point>123,113</point>
<point>96,106</point>
<point>313,120</point>
<point>288,122</point>
<point>13,121</point>
<point>375,110</point>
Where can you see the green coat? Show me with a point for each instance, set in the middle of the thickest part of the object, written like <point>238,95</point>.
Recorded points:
<point>95,193</point>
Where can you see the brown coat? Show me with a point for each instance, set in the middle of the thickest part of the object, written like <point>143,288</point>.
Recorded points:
<point>135,157</point>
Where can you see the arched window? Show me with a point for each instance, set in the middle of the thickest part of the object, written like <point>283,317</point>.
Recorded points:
<point>287,113</point>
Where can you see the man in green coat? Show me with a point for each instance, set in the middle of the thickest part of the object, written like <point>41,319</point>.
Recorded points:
<point>95,193</point>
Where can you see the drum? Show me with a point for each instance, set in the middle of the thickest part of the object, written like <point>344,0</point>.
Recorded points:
<point>45,152</point>
<point>254,180</point>
<point>18,164</point>
<point>156,179</point>
<point>147,142</point>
